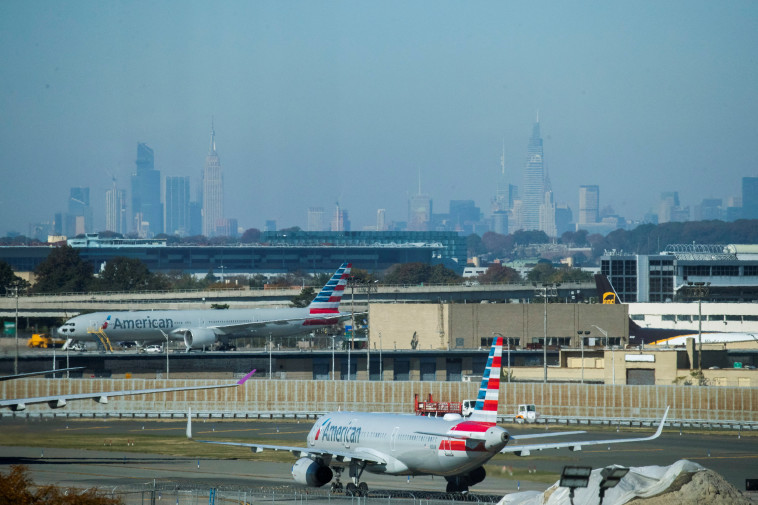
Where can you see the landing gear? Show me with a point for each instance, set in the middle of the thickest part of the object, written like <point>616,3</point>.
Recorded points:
<point>354,488</point>
<point>457,484</point>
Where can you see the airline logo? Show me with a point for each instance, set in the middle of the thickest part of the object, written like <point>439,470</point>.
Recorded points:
<point>489,390</point>
<point>328,299</point>
<point>609,298</point>
<point>105,324</point>
<point>329,432</point>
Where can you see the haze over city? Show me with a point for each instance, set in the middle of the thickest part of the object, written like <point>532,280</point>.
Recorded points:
<point>317,103</point>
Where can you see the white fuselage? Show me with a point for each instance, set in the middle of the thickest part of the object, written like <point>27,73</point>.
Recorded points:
<point>154,325</point>
<point>410,444</point>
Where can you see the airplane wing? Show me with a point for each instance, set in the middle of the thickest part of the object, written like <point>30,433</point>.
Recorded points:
<point>298,452</point>
<point>41,372</point>
<point>58,401</point>
<point>525,450</point>
<point>257,325</point>
<point>467,436</point>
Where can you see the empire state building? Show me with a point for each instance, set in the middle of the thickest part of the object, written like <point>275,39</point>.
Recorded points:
<point>213,190</point>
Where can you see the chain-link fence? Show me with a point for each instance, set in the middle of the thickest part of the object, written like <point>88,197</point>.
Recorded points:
<point>171,493</point>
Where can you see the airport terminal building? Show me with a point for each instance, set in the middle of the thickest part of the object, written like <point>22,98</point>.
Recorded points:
<point>715,273</point>
<point>275,253</point>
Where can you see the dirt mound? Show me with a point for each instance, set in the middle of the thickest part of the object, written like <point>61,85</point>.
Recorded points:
<point>704,487</point>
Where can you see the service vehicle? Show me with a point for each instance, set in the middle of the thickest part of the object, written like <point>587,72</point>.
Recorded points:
<point>527,413</point>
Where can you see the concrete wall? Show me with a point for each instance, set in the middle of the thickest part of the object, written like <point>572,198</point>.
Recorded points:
<point>463,326</point>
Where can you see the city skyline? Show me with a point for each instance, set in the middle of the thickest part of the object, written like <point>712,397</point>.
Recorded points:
<point>347,102</point>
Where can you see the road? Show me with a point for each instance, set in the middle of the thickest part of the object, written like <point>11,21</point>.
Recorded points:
<point>736,458</point>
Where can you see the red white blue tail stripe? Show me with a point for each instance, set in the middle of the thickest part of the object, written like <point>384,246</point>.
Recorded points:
<point>328,299</point>
<point>489,391</point>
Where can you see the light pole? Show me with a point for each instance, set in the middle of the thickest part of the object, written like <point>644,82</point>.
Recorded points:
<point>334,372</point>
<point>613,356</point>
<point>581,345</point>
<point>14,289</point>
<point>699,290</point>
<point>509,352</point>
<point>545,286</point>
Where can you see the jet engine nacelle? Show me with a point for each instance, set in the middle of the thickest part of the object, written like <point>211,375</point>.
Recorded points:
<point>311,473</point>
<point>200,337</point>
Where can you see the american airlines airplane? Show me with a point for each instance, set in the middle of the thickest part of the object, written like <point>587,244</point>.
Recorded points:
<point>202,328</point>
<point>453,447</point>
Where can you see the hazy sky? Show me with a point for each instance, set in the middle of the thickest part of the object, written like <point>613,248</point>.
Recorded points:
<point>318,102</point>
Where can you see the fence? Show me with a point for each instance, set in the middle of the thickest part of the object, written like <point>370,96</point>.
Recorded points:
<point>187,494</point>
<point>291,397</point>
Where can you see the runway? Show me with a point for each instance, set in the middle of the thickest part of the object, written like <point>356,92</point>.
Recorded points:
<point>734,458</point>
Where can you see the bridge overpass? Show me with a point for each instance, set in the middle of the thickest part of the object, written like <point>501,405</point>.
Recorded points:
<point>69,305</point>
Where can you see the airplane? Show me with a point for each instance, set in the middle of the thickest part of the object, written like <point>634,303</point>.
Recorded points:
<point>453,447</point>
<point>61,400</point>
<point>665,336</point>
<point>202,328</point>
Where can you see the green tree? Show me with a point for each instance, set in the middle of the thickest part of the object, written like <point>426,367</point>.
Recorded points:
<point>420,273</point>
<point>498,273</point>
<point>305,297</point>
<point>9,278</point>
<point>542,272</point>
<point>63,271</point>
<point>126,274</point>
<point>251,236</point>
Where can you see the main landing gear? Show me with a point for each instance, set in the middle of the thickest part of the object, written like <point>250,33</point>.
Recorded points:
<point>354,488</point>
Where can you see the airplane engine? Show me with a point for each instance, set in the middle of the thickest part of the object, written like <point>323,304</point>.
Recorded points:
<point>311,473</point>
<point>200,337</point>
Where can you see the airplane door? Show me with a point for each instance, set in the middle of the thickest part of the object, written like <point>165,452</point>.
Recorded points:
<point>447,445</point>
<point>393,438</point>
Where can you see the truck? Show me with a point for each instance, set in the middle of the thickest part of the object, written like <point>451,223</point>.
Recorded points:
<point>433,408</point>
<point>44,341</point>
<point>527,413</point>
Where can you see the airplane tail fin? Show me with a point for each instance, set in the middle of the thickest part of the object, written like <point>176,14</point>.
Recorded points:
<point>328,299</point>
<point>489,391</point>
<point>605,290</point>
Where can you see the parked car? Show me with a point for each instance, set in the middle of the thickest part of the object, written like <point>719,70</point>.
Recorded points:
<point>126,345</point>
<point>153,348</point>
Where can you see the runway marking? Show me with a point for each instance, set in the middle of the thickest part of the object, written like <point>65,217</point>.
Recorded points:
<point>88,428</point>
<point>624,450</point>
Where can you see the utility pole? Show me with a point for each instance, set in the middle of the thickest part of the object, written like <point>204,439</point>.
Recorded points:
<point>699,290</point>
<point>545,287</point>
<point>14,289</point>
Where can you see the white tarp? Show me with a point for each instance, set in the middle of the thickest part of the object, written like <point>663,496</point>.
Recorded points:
<point>640,482</point>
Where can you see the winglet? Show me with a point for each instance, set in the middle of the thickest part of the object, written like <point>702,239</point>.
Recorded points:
<point>660,426</point>
<point>189,422</point>
<point>246,377</point>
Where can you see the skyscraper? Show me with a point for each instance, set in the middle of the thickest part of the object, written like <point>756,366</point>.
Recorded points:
<point>316,219</point>
<point>381,220</point>
<point>340,221</point>
<point>750,198</point>
<point>178,205</point>
<point>147,210</point>
<point>589,204</point>
<point>115,209</point>
<point>419,210</point>
<point>213,190</point>
<point>79,215</point>
<point>533,194</point>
